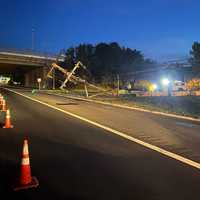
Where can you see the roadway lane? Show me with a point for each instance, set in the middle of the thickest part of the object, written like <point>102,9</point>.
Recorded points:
<point>176,135</point>
<point>75,160</point>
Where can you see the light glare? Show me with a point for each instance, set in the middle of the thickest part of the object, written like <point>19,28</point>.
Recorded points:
<point>165,81</point>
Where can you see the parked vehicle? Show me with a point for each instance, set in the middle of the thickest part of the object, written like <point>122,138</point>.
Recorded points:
<point>4,80</point>
<point>179,86</point>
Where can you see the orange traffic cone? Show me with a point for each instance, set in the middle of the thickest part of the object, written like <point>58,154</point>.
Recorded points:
<point>1,99</point>
<point>25,180</point>
<point>7,121</point>
<point>3,105</point>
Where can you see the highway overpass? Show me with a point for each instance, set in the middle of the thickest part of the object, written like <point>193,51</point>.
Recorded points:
<point>31,65</point>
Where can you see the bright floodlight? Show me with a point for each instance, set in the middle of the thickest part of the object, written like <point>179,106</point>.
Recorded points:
<point>165,81</point>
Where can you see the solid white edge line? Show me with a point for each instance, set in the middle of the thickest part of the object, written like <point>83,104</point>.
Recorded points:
<point>129,107</point>
<point>119,133</point>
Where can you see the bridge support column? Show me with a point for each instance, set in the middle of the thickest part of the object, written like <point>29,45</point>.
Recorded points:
<point>32,75</point>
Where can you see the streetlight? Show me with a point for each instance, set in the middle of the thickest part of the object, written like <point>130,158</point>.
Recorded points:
<point>33,39</point>
<point>39,81</point>
<point>165,81</point>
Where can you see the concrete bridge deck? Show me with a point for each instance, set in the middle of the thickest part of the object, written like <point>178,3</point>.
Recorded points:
<point>29,63</point>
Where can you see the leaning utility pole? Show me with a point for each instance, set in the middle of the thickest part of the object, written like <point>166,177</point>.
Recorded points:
<point>53,79</point>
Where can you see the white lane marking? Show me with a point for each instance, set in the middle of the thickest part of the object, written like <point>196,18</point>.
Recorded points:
<point>119,133</point>
<point>187,124</point>
<point>130,108</point>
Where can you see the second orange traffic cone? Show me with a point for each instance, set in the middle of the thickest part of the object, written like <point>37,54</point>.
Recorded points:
<point>3,105</point>
<point>26,181</point>
<point>7,121</point>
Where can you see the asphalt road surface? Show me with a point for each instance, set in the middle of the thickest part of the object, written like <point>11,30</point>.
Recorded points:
<point>175,135</point>
<point>73,159</point>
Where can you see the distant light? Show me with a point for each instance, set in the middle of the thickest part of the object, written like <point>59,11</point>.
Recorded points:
<point>62,55</point>
<point>152,87</point>
<point>155,86</point>
<point>165,81</point>
<point>39,80</point>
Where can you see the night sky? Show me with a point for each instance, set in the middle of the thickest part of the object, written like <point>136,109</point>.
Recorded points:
<point>161,29</point>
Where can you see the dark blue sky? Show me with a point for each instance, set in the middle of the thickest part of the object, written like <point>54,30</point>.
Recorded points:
<point>159,28</point>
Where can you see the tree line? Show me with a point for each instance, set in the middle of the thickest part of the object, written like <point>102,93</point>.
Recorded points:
<point>104,61</point>
<point>107,60</point>
<point>195,58</point>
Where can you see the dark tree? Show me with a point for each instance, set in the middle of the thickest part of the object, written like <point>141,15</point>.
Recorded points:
<point>195,57</point>
<point>69,58</point>
<point>107,60</point>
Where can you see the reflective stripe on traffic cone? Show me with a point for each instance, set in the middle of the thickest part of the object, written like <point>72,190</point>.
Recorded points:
<point>25,177</point>
<point>26,181</point>
<point>7,121</point>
